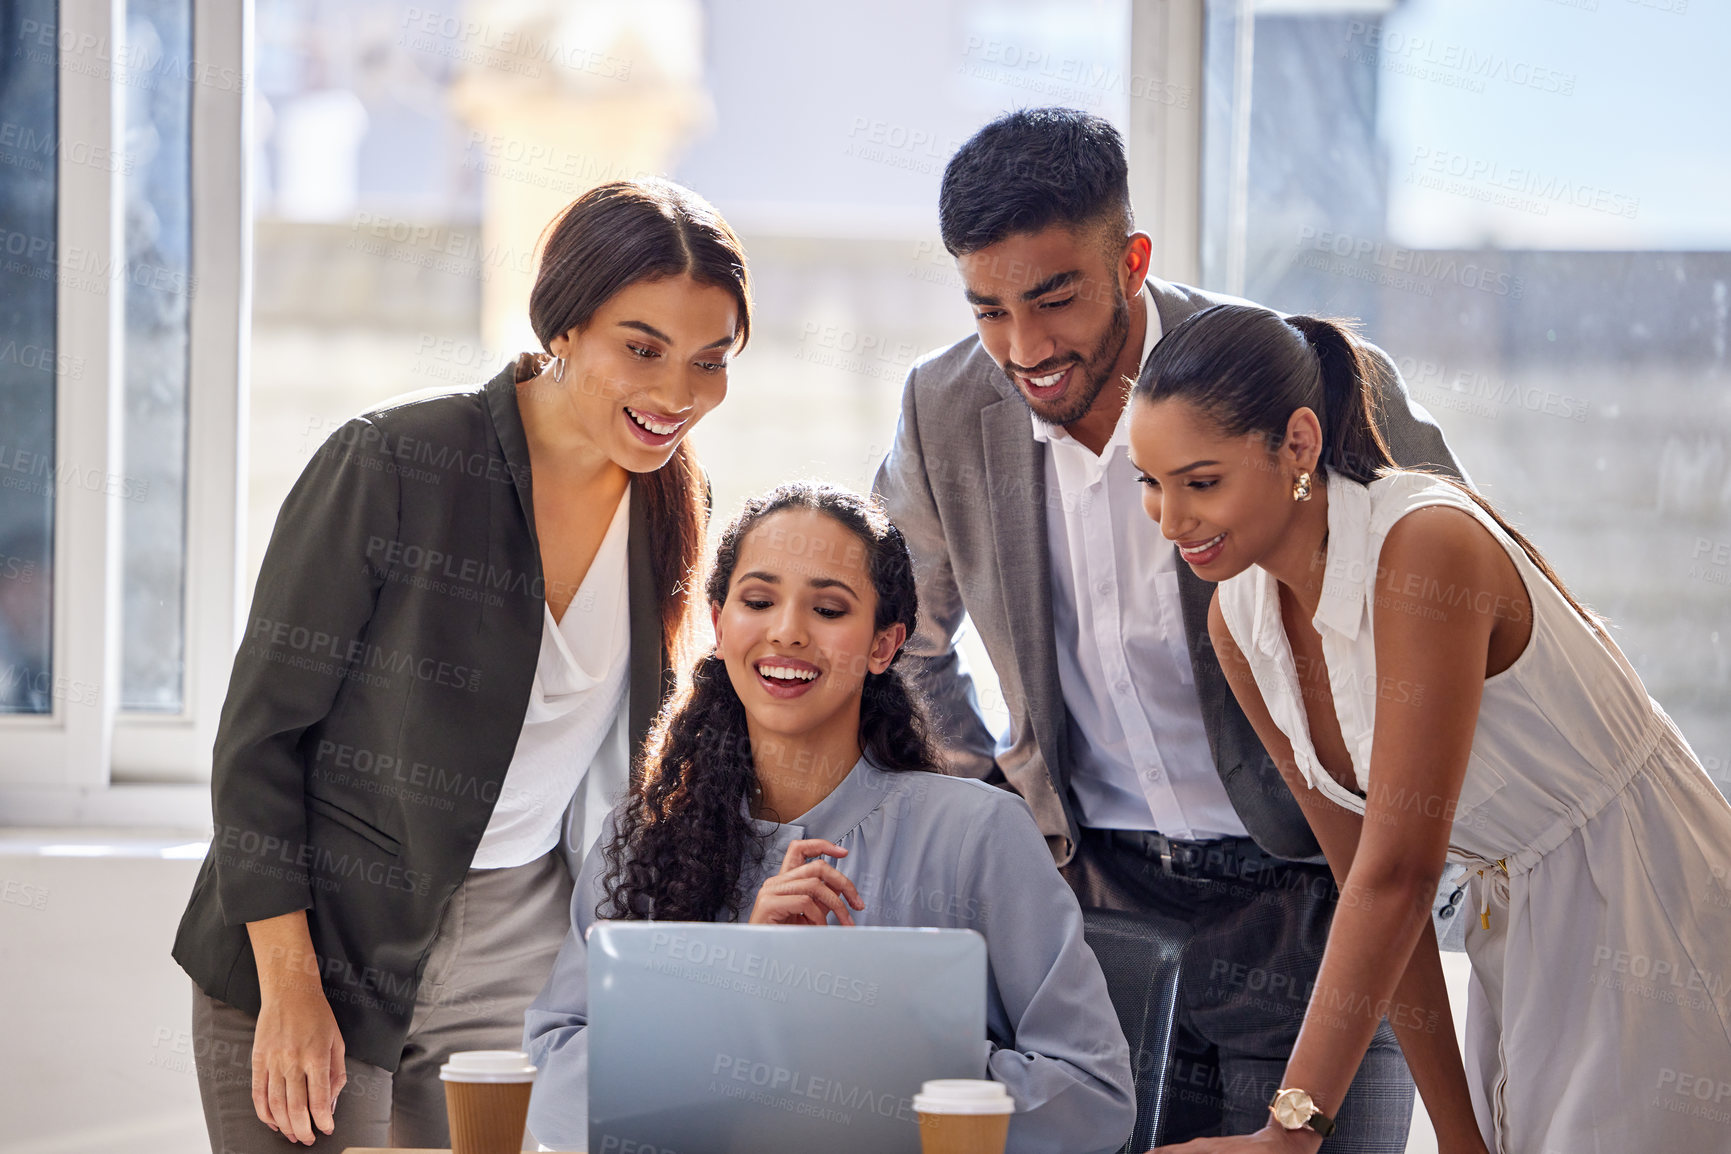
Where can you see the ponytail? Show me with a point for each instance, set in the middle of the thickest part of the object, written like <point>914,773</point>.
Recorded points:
<point>1353,446</point>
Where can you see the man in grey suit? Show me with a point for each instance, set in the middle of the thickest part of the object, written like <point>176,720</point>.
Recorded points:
<point>1011,480</point>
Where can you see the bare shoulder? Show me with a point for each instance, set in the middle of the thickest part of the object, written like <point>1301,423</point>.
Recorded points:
<point>1441,568</point>
<point>1439,539</point>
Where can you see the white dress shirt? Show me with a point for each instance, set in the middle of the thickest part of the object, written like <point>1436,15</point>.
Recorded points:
<point>1141,758</point>
<point>572,754</point>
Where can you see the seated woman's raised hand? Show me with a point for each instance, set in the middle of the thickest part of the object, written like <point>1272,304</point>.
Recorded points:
<point>805,891</point>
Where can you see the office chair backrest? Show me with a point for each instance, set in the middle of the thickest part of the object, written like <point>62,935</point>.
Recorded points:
<point>1140,955</point>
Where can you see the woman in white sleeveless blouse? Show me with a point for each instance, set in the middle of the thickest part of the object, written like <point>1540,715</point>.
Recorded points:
<point>1431,692</point>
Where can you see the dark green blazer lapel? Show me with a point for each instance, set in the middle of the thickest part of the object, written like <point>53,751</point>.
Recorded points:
<point>514,443</point>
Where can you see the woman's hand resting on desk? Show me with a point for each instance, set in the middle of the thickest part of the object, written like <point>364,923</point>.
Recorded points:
<point>806,891</point>
<point>1271,1139</point>
<point>297,1050</point>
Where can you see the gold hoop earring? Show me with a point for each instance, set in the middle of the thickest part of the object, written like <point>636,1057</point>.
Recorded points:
<point>1301,488</point>
<point>558,369</point>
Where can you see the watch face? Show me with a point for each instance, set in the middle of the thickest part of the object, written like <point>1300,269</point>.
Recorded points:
<point>1293,1108</point>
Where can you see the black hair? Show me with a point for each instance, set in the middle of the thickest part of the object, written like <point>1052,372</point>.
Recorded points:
<point>1032,168</point>
<point>683,838</point>
<point>610,238</point>
<point>1247,369</point>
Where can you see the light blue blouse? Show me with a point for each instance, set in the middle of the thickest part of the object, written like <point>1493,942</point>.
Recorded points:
<point>923,850</point>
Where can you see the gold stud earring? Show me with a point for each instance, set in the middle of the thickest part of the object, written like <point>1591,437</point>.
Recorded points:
<point>1301,488</point>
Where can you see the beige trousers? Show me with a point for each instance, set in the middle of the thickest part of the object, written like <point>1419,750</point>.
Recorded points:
<point>493,951</point>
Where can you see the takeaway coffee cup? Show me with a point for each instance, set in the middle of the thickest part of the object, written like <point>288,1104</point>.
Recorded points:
<point>963,1116</point>
<point>487,1100</point>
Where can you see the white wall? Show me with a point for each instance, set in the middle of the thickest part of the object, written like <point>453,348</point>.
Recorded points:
<point>97,1055</point>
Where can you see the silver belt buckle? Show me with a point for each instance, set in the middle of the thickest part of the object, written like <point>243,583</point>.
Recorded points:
<point>1165,846</point>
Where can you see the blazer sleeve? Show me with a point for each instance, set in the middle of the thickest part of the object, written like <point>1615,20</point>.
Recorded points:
<point>556,1025</point>
<point>317,589</point>
<point>1057,1045</point>
<point>1414,438</point>
<point>931,658</point>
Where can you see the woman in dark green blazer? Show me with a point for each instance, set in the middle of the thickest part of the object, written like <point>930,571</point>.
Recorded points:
<point>405,618</point>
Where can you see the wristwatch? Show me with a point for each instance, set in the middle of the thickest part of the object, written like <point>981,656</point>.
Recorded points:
<point>1295,1110</point>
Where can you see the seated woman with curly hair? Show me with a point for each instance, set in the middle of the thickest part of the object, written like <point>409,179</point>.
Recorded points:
<point>798,742</point>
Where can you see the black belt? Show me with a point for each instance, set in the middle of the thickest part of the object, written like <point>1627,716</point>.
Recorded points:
<point>1226,858</point>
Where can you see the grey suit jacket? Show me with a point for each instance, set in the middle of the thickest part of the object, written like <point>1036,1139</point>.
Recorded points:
<point>965,481</point>
<point>376,700</point>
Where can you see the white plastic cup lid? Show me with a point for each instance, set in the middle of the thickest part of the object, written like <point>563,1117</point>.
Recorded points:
<point>487,1066</point>
<point>963,1096</point>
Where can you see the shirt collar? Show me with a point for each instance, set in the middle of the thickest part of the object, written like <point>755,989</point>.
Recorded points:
<point>1044,433</point>
<point>1346,576</point>
<point>861,793</point>
<point>1349,570</point>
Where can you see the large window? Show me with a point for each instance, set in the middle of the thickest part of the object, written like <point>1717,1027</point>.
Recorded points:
<point>123,270</point>
<point>1525,203</point>
<point>1522,201</point>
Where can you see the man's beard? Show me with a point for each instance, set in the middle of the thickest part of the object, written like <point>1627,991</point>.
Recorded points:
<point>1097,369</point>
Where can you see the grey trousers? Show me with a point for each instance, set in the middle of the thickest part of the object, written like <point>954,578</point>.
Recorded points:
<point>493,951</point>
<point>1247,974</point>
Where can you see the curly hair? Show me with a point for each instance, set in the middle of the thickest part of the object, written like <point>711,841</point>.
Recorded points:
<point>683,837</point>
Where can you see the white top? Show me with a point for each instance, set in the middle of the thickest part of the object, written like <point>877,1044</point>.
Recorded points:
<point>575,730</point>
<point>1141,758</point>
<point>1599,1012</point>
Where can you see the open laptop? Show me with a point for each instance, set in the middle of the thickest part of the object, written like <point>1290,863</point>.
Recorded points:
<point>709,1038</point>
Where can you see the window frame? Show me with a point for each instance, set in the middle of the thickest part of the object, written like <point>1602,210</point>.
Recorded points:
<point>1164,142</point>
<point>56,767</point>
<point>177,746</point>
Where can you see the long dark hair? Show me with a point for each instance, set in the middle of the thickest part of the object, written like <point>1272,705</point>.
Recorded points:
<point>610,238</point>
<point>683,837</point>
<point>1247,369</point>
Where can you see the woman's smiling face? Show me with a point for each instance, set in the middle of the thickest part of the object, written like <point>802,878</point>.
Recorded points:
<point>647,367</point>
<point>1224,501</point>
<point>797,632</point>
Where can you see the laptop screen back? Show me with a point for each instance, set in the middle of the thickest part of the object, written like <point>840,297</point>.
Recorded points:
<point>706,1037</point>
